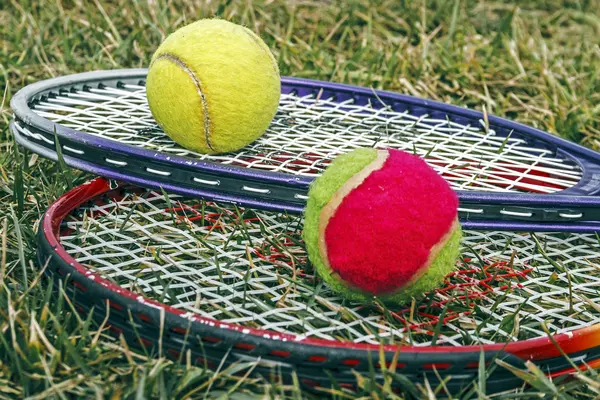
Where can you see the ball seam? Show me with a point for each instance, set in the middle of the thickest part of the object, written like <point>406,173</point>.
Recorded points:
<point>181,64</point>
<point>434,252</point>
<point>329,209</point>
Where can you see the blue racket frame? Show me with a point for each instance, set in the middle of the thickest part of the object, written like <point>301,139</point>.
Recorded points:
<point>282,192</point>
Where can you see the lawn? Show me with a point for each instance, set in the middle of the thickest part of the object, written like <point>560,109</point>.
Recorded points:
<point>536,62</point>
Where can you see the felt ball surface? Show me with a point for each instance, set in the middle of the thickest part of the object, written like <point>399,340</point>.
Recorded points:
<point>213,86</point>
<point>382,223</point>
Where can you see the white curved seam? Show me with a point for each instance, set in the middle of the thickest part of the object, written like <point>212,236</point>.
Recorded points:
<point>181,64</point>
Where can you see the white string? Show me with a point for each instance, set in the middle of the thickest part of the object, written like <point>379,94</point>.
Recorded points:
<point>201,258</point>
<point>307,133</point>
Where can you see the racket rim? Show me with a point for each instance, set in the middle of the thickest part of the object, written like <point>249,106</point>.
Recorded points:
<point>535,349</point>
<point>518,200</point>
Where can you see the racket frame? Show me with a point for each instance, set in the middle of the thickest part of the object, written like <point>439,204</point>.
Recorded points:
<point>137,318</point>
<point>576,209</point>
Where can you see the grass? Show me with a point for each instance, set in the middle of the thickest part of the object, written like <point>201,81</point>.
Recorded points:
<point>537,62</point>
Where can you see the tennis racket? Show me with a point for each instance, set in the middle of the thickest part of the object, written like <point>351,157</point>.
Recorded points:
<point>508,176</point>
<point>219,285</point>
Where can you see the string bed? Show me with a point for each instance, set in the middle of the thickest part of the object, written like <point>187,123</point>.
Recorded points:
<point>309,131</point>
<point>250,268</point>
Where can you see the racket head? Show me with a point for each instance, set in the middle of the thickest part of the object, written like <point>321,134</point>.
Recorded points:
<point>209,340</point>
<point>103,125</point>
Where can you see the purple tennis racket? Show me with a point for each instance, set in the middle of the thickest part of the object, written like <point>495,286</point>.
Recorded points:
<point>507,175</point>
<point>223,286</point>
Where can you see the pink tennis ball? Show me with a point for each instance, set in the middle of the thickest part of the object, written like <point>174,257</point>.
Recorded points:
<point>382,223</point>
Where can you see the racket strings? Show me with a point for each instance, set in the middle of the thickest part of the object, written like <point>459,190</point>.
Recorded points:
<point>250,268</point>
<point>308,132</point>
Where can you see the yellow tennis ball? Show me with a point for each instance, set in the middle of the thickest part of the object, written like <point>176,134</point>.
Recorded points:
<point>213,86</point>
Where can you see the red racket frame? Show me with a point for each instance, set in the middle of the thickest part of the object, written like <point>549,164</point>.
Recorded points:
<point>208,340</point>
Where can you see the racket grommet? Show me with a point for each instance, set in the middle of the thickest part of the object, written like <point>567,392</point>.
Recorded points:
<point>436,366</point>
<point>351,362</point>
<point>211,339</point>
<point>280,353</point>
<point>244,346</point>
<point>309,382</point>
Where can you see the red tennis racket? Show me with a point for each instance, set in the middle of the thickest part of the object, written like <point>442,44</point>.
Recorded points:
<point>212,283</point>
